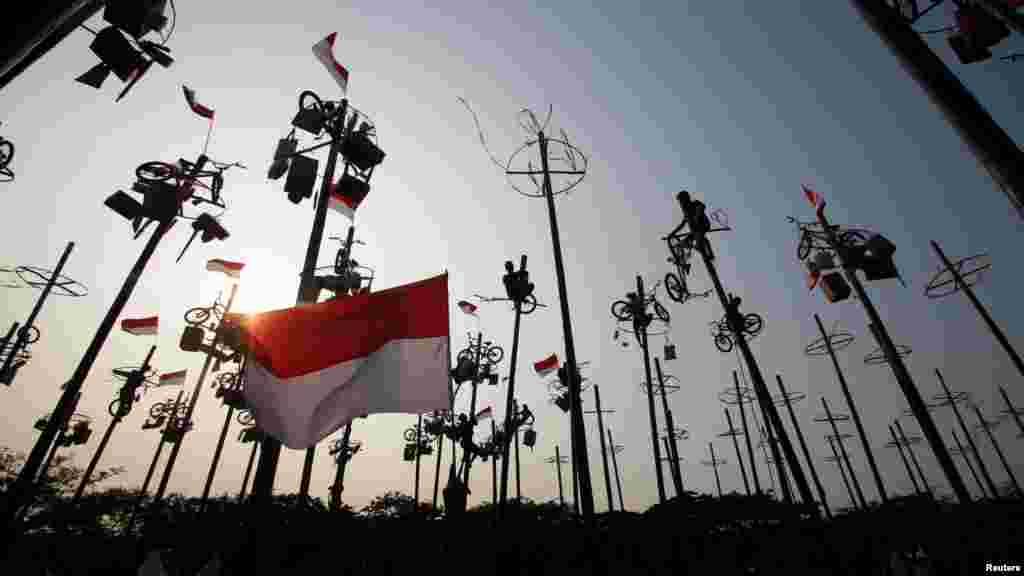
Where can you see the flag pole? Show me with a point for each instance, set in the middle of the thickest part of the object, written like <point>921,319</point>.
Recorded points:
<point>209,130</point>
<point>270,451</point>
<point>176,447</point>
<point>22,490</point>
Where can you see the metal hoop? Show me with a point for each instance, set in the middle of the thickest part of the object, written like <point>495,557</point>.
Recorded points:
<point>573,151</point>
<point>60,286</point>
<point>980,263</point>
<point>835,417</point>
<point>877,356</point>
<point>792,397</point>
<point>839,340</point>
<point>954,397</point>
<point>728,396</point>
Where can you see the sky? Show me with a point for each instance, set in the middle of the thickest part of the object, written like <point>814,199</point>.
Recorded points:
<point>737,102</point>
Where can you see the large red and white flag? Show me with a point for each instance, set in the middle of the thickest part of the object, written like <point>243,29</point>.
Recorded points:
<point>344,204</point>
<point>324,52</point>
<point>316,367</point>
<point>190,97</point>
<point>173,378</point>
<point>141,326</point>
<point>547,365</point>
<point>232,269</point>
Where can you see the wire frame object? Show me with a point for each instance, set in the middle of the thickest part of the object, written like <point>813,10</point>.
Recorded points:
<point>841,437</point>
<point>954,397</point>
<point>836,417</point>
<point>672,385</point>
<point>970,270</point>
<point>38,277</point>
<point>877,356</point>
<point>839,339</point>
<point>791,397</point>
<point>567,164</point>
<point>729,397</point>
<point>677,434</point>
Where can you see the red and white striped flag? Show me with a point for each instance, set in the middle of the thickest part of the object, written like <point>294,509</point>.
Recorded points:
<point>484,414</point>
<point>344,204</point>
<point>173,378</point>
<point>324,52</point>
<point>141,326</point>
<point>467,307</point>
<point>316,367</point>
<point>547,365</point>
<point>232,269</point>
<point>190,97</point>
<point>817,200</point>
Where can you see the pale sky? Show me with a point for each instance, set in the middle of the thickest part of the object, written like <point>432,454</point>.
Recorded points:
<point>737,102</point>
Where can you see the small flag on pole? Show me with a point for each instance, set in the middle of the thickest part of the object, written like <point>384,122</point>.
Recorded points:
<point>232,269</point>
<point>173,378</point>
<point>812,279</point>
<point>485,413</point>
<point>190,97</point>
<point>817,200</point>
<point>547,365</point>
<point>324,52</point>
<point>344,204</point>
<point>141,326</point>
<point>467,307</point>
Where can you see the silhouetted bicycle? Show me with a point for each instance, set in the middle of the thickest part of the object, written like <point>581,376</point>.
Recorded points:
<point>680,250</point>
<point>623,311</point>
<point>184,181</point>
<point>6,155</point>
<point>814,237</point>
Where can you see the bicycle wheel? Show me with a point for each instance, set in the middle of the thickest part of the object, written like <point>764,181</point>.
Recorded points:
<point>155,171</point>
<point>753,324</point>
<point>529,304</point>
<point>723,342</point>
<point>197,316</point>
<point>157,410</point>
<point>853,238</point>
<point>803,249</point>
<point>621,311</point>
<point>6,153</point>
<point>675,288</point>
<point>31,334</point>
<point>661,312</point>
<point>495,354</point>
<point>410,435</point>
<point>246,418</point>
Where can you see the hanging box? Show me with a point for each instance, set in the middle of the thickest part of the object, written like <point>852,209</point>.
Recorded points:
<point>835,287</point>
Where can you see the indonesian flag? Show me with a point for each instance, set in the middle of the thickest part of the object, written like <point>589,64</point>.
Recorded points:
<point>324,52</point>
<point>316,367</point>
<point>485,413</point>
<point>190,97</point>
<point>173,378</point>
<point>232,269</point>
<point>141,326</point>
<point>467,307</point>
<point>817,200</point>
<point>812,279</point>
<point>344,204</point>
<point>547,365</point>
